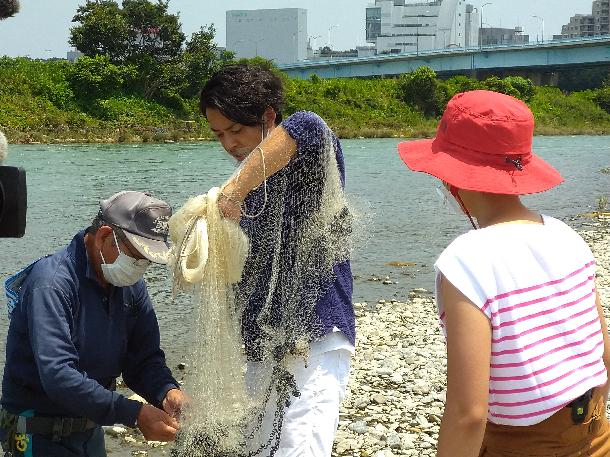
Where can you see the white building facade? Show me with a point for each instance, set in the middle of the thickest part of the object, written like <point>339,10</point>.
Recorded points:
<point>276,34</point>
<point>396,26</point>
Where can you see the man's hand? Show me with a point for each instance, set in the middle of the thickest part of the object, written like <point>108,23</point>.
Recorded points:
<point>229,207</point>
<point>156,425</point>
<point>173,402</point>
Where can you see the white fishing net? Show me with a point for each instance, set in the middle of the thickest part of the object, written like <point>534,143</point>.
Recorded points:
<point>255,289</point>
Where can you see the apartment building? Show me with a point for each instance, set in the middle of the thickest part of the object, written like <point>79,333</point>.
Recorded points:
<point>587,25</point>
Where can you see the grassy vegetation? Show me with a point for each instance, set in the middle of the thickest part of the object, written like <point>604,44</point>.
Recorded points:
<point>568,114</point>
<point>48,102</point>
<point>358,107</point>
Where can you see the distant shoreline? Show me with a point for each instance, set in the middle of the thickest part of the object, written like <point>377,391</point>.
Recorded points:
<point>177,136</point>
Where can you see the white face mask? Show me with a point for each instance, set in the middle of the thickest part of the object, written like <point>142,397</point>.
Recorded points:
<point>125,270</point>
<point>449,200</point>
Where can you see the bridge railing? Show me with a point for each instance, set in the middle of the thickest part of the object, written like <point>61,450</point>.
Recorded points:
<point>444,51</point>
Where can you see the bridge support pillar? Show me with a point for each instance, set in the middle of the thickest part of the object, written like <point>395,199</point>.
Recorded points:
<point>536,78</point>
<point>553,79</point>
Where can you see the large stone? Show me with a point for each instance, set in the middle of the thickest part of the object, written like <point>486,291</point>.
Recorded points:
<point>359,427</point>
<point>379,399</point>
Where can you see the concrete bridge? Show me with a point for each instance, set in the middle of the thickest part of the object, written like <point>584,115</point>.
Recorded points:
<point>539,61</point>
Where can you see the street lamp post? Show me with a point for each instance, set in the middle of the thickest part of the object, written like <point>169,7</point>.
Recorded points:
<point>481,28</point>
<point>315,40</point>
<point>330,29</point>
<point>542,22</point>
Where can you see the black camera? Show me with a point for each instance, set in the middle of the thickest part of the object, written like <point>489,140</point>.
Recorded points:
<point>13,202</point>
<point>13,188</point>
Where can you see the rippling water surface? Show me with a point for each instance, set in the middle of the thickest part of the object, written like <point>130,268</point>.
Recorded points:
<point>401,219</point>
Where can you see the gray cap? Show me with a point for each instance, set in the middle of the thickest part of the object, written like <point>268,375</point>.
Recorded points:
<point>143,218</point>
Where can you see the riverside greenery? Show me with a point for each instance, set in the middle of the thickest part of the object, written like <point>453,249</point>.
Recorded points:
<point>95,100</point>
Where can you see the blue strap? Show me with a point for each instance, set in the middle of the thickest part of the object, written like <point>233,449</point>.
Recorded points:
<point>12,287</point>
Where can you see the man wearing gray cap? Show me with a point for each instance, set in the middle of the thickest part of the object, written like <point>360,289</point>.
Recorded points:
<point>83,317</point>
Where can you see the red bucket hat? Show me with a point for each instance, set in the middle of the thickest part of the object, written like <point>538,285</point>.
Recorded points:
<point>483,143</point>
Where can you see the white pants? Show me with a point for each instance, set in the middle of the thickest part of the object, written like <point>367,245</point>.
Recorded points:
<point>311,420</point>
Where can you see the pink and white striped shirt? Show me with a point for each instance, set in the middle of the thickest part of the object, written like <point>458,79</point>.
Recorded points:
<point>536,284</point>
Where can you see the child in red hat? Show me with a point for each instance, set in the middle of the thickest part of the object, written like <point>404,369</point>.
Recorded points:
<point>527,343</point>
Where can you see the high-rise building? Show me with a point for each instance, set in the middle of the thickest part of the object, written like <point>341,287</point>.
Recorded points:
<point>601,17</point>
<point>580,25</point>
<point>276,34</point>
<point>585,25</point>
<point>396,26</point>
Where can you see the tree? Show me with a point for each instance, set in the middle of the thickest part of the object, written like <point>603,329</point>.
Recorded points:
<point>152,31</point>
<point>141,33</point>
<point>139,28</point>
<point>201,58</point>
<point>102,30</point>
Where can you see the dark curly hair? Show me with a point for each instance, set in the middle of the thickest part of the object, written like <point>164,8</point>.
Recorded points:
<point>243,92</point>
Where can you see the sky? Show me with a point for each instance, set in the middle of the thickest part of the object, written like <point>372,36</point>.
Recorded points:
<point>42,28</point>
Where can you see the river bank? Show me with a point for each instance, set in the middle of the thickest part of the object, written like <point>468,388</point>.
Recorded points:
<point>160,135</point>
<point>52,103</point>
<point>396,392</point>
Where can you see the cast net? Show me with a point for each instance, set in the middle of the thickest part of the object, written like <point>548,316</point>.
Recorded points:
<point>255,288</point>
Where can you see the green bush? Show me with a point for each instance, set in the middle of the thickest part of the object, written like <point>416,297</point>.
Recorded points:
<point>96,77</point>
<point>556,111</point>
<point>459,84</point>
<point>422,90</point>
<point>36,78</point>
<point>500,85</point>
<point>515,86</point>
<point>602,98</point>
<point>131,111</point>
<point>524,87</point>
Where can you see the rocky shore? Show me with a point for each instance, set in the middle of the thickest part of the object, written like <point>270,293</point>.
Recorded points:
<point>396,393</point>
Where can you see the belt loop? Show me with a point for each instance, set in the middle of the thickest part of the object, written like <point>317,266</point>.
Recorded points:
<point>57,432</point>
<point>66,426</point>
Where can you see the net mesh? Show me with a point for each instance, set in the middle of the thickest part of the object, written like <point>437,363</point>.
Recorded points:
<point>255,288</point>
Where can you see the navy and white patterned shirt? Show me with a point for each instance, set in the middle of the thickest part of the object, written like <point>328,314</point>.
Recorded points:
<point>334,308</point>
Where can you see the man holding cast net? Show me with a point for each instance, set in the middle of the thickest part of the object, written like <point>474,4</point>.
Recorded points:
<point>273,293</point>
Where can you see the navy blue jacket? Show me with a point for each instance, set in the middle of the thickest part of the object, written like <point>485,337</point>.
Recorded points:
<point>69,338</point>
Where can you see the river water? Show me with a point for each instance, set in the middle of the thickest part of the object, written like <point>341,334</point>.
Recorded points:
<point>399,213</point>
